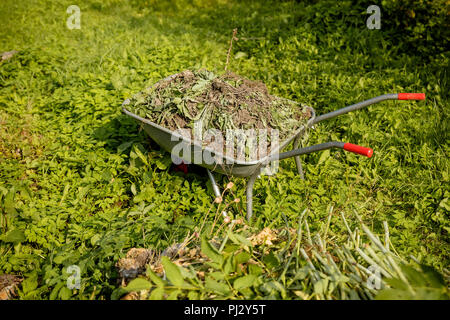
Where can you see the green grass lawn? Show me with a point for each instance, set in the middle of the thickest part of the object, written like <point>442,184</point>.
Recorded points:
<point>74,188</point>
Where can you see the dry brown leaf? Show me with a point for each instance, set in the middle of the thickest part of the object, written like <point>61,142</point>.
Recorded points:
<point>131,296</point>
<point>8,286</point>
<point>134,263</point>
<point>266,236</point>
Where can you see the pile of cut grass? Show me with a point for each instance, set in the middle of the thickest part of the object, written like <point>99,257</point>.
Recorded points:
<point>220,102</point>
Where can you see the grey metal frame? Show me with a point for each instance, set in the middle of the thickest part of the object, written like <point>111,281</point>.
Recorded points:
<point>252,169</point>
<point>296,152</point>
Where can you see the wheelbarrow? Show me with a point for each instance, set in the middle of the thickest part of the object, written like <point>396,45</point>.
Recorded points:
<point>168,140</point>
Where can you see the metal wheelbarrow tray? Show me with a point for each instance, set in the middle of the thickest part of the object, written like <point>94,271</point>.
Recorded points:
<point>168,139</point>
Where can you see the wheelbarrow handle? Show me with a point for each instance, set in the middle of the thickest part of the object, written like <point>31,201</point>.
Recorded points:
<point>323,146</point>
<point>359,105</point>
<point>368,152</point>
<point>411,96</point>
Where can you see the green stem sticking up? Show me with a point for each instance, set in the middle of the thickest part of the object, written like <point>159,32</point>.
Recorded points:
<point>231,46</point>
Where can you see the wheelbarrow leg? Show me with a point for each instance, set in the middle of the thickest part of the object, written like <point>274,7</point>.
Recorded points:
<point>297,158</point>
<point>214,184</point>
<point>250,184</point>
<point>296,152</point>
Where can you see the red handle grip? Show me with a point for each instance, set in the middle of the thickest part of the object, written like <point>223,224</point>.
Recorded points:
<point>358,149</point>
<point>411,96</point>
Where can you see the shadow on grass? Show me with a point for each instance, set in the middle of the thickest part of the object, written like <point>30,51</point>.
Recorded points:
<point>120,133</point>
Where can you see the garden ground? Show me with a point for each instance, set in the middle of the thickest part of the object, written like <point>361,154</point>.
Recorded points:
<point>80,184</point>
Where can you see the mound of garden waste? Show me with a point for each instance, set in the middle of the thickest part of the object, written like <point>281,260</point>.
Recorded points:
<point>220,102</point>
